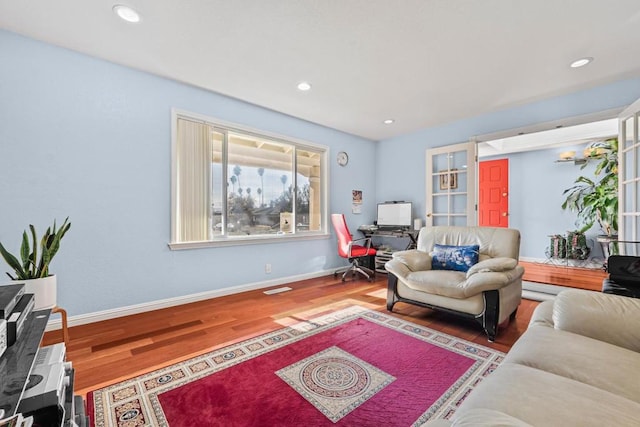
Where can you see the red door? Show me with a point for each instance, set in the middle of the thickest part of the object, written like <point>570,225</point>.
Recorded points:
<point>493,193</point>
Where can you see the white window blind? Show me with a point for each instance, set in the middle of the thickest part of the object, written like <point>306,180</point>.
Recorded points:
<point>193,160</point>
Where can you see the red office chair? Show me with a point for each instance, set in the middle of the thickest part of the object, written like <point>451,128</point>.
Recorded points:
<point>347,249</point>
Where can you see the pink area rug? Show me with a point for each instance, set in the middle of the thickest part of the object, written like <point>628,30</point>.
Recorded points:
<point>353,367</point>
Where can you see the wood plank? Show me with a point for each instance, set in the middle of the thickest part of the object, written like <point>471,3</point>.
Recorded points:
<point>113,350</point>
<point>573,277</point>
<point>131,338</point>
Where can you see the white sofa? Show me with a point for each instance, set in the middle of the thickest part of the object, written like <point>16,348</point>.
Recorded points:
<point>577,364</point>
<point>489,291</point>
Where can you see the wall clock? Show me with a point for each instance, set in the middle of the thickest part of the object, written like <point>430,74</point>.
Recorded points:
<point>343,158</point>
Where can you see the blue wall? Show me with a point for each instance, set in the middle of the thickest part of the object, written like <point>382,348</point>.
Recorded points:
<point>88,139</point>
<point>536,184</point>
<point>401,172</point>
<point>85,138</point>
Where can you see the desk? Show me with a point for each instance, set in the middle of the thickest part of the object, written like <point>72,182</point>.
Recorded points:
<point>400,233</point>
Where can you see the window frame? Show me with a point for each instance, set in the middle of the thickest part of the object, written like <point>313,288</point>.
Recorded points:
<point>232,240</point>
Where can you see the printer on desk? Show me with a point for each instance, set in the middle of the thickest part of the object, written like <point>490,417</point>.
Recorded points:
<point>9,297</point>
<point>15,306</point>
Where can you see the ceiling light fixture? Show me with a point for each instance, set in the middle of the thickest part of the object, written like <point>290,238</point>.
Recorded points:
<point>304,86</point>
<point>581,62</point>
<point>388,121</point>
<point>126,13</point>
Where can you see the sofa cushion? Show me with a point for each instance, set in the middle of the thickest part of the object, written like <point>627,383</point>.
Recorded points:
<point>454,284</point>
<point>610,318</point>
<point>472,305</point>
<point>440,282</point>
<point>544,399</point>
<point>457,258</point>
<point>579,358</point>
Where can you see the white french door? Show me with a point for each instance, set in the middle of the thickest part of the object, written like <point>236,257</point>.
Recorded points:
<point>629,179</point>
<point>451,185</point>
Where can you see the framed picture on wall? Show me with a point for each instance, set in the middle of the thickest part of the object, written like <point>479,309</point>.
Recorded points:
<point>449,181</point>
<point>356,196</point>
<point>356,201</point>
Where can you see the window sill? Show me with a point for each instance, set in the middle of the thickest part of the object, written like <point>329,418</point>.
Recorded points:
<point>248,240</point>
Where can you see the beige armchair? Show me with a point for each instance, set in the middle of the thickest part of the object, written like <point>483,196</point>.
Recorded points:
<point>489,291</point>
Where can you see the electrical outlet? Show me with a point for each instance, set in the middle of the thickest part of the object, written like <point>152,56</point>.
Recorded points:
<point>267,268</point>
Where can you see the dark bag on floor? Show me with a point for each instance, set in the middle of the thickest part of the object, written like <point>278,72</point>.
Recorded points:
<point>624,270</point>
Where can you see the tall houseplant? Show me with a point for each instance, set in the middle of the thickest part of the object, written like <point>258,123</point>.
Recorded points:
<point>33,266</point>
<point>596,200</point>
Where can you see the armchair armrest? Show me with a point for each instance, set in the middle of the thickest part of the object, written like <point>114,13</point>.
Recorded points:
<point>414,259</point>
<point>404,262</point>
<point>492,273</point>
<point>493,265</point>
<point>397,268</point>
<point>491,280</point>
<point>605,317</point>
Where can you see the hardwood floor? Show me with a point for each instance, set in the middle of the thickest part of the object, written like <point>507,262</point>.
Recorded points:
<point>106,352</point>
<point>583,278</point>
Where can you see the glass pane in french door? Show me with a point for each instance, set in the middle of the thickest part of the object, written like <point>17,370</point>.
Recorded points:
<point>629,180</point>
<point>450,185</point>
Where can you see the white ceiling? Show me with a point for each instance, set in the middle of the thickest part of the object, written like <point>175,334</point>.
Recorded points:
<point>420,62</point>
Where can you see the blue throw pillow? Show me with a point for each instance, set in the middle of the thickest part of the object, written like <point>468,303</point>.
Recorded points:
<point>458,258</point>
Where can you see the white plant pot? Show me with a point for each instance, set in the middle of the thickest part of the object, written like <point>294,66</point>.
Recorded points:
<point>44,291</point>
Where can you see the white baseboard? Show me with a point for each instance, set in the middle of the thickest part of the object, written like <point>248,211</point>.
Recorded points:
<point>540,291</point>
<point>98,316</point>
<point>536,296</point>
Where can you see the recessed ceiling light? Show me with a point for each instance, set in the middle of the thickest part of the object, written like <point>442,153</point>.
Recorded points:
<point>304,86</point>
<point>581,62</point>
<point>388,121</point>
<point>126,13</point>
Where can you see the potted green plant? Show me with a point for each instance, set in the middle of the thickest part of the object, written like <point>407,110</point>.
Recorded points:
<point>32,268</point>
<point>596,200</point>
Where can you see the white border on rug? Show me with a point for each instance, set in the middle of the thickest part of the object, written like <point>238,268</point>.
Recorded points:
<point>136,400</point>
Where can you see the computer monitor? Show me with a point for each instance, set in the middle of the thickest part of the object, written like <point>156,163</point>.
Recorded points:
<point>394,214</point>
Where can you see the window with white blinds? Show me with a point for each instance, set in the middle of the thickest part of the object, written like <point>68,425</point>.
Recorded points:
<point>232,185</point>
